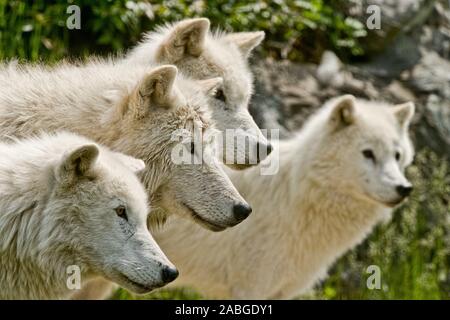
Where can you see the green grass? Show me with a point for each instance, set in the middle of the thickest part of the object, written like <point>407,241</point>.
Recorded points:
<point>298,30</point>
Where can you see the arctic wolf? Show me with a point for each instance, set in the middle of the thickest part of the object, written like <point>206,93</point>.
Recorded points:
<point>68,202</point>
<point>201,54</point>
<point>133,110</point>
<point>340,176</point>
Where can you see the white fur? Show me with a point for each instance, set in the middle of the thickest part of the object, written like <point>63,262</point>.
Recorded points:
<point>325,199</point>
<point>131,109</point>
<point>57,209</point>
<point>202,54</point>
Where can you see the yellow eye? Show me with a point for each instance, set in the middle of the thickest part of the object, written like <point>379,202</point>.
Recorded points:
<point>220,95</point>
<point>368,154</point>
<point>121,212</point>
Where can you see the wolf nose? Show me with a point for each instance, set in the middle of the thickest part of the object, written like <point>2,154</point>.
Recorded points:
<point>262,146</point>
<point>241,211</point>
<point>169,274</point>
<point>404,191</point>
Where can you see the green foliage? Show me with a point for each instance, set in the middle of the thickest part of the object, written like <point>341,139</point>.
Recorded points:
<point>298,30</point>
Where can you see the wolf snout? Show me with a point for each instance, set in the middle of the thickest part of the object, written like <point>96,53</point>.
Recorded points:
<point>404,190</point>
<point>168,274</point>
<point>241,211</point>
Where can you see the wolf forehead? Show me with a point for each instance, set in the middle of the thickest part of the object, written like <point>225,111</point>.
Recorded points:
<point>379,114</point>
<point>114,179</point>
<point>195,103</point>
<point>371,122</point>
<point>191,122</point>
<point>380,120</point>
<point>219,57</point>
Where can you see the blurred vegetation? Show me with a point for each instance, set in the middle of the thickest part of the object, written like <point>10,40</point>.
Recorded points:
<point>296,29</point>
<point>412,251</point>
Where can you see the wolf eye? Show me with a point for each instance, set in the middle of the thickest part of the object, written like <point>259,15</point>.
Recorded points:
<point>121,212</point>
<point>220,95</point>
<point>397,156</point>
<point>368,154</point>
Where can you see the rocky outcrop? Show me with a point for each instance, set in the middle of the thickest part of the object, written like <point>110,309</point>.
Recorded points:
<point>287,93</point>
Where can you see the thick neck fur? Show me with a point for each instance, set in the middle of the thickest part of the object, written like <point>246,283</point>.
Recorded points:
<point>322,211</point>
<point>33,255</point>
<point>302,222</point>
<point>311,221</point>
<point>299,224</point>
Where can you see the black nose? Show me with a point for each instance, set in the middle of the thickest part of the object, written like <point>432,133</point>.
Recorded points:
<point>241,211</point>
<point>169,274</point>
<point>261,146</point>
<point>404,191</point>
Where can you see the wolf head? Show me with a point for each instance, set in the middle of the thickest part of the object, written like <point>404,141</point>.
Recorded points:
<point>201,55</point>
<point>366,148</point>
<point>103,210</point>
<point>161,106</point>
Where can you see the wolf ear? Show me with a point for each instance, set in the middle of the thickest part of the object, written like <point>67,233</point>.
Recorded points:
<point>156,88</point>
<point>186,38</point>
<point>77,163</point>
<point>343,113</point>
<point>131,163</point>
<point>404,113</point>
<point>210,86</point>
<point>246,41</point>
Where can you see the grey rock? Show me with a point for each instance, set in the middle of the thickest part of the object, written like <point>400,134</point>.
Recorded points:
<point>399,92</point>
<point>432,74</point>
<point>329,72</point>
<point>287,94</point>
<point>397,17</point>
<point>432,126</point>
<point>402,54</point>
<point>413,66</point>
